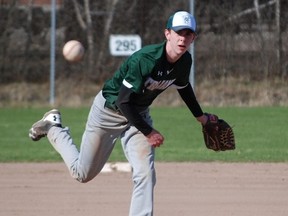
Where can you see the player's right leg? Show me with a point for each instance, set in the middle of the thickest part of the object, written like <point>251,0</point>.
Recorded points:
<point>96,147</point>
<point>102,129</point>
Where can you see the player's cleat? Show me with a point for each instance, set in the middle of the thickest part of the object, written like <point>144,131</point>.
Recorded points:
<point>41,127</point>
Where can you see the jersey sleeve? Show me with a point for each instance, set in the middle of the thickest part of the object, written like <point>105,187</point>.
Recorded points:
<point>137,70</point>
<point>188,96</point>
<point>129,110</point>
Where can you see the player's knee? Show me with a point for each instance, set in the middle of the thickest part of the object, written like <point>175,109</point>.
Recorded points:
<point>83,178</point>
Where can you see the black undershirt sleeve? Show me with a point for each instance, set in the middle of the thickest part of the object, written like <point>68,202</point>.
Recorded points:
<point>130,111</point>
<point>188,96</point>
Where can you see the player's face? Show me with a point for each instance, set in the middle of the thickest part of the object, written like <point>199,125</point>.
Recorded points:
<point>179,42</point>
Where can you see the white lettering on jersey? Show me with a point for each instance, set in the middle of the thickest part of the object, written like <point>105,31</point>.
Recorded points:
<point>152,84</point>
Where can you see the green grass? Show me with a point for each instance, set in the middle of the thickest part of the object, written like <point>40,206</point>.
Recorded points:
<point>261,135</point>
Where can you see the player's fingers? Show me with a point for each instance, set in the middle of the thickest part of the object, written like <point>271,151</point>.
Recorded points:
<point>155,139</point>
<point>158,143</point>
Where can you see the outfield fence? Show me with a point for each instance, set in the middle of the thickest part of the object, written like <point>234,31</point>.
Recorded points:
<point>236,38</point>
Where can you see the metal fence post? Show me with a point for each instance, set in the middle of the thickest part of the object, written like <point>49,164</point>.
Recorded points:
<point>192,70</point>
<point>52,52</point>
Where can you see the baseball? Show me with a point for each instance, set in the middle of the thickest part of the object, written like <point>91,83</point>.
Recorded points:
<point>73,51</point>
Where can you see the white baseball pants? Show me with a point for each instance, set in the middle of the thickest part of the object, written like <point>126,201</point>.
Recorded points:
<point>103,127</point>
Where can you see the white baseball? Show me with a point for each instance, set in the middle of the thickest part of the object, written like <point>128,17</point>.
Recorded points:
<point>73,51</point>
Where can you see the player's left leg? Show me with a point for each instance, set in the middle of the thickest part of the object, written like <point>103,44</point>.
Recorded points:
<point>141,157</point>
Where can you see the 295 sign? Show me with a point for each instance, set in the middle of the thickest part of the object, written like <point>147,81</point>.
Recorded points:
<point>124,45</point>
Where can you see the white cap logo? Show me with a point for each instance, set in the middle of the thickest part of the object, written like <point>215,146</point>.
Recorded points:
<point>187,20</point>
<point>182,20</point>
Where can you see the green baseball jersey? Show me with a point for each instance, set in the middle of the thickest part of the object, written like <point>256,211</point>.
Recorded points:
<point>148,73</point>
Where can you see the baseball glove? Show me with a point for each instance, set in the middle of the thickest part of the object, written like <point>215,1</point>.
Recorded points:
<point>218,134</point>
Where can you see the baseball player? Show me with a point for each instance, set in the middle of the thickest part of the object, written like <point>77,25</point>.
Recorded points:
<point>121,110</point>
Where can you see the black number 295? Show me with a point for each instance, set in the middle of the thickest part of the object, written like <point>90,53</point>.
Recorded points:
<point>126,45</point>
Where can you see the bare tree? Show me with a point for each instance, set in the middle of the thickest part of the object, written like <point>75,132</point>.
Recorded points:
<point>110,5</point>
<point>90,39</point>
<point>260,33</point>
<point>4,40</point>
<point>281,69</point>
<point>86,25</point>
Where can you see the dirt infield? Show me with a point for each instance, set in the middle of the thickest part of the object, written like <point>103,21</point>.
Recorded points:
<point>182,189</point>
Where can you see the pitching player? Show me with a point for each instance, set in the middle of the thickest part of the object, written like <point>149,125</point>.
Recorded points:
<point>121,110</point>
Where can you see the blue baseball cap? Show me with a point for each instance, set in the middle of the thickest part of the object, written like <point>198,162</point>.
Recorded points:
<point>181,20</point>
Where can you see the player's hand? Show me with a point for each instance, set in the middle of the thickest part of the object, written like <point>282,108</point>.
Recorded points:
<point>155,139</point>
<point>203,119</point>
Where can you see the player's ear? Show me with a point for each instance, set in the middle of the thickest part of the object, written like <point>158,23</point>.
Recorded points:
<point>167,34</point>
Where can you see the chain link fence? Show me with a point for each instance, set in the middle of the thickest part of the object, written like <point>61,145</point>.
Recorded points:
<point>236,38</point>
